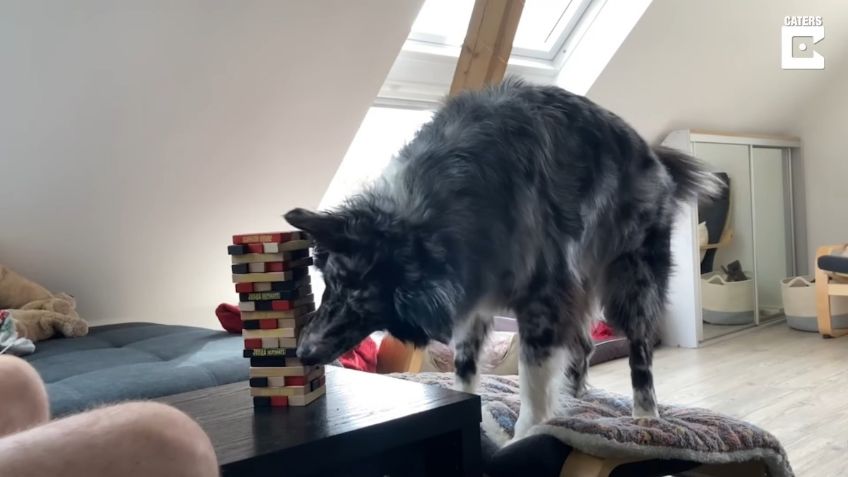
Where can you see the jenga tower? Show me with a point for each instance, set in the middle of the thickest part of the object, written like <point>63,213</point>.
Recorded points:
<point>271,273</point>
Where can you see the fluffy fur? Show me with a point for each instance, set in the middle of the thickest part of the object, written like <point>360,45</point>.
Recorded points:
<point>520,197</point>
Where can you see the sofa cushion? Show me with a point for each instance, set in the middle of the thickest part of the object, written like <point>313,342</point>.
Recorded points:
<point>834,263</point>
<point>135,361</point>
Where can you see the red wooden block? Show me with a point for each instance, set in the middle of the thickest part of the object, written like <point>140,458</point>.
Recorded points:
<point>295,381</point>
<point>282,305</point>
<point>268,237</point>
<point>268,324</point>
<point>255,248</point>
<point>279,401</point>
<point>244,288</point>
<point>253,343</point>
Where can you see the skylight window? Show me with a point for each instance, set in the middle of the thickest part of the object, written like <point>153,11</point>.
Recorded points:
<point>542,31</point>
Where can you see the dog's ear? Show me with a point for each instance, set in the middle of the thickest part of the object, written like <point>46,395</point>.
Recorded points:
<point>327,229</point>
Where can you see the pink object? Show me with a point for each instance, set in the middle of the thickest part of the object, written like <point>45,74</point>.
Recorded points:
<point>363,357</point>
<point>230,317</point>
<point>601,331</point>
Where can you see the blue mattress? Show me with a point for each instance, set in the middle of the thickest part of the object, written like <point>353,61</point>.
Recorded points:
<point>135,361</point>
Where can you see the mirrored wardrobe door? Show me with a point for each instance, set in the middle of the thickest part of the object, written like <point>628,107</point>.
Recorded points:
<point>772,227</point>
<point>727,243</point>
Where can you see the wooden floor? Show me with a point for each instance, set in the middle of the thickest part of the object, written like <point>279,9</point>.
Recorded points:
<point>791,383</point>
<point>715,331</point>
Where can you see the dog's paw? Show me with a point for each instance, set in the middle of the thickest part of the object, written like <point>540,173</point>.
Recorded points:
<point>470,386</point>
<point>522,426</point>
<point>645,413</point>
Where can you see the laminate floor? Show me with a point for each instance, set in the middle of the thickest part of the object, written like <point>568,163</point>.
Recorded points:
<point>792,383</point>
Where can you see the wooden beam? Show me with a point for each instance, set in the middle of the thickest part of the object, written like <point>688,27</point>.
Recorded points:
<point>482,61</point>
<point>488,44</point>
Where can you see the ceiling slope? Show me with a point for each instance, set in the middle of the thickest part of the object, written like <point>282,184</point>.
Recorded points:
<point>715,64</point>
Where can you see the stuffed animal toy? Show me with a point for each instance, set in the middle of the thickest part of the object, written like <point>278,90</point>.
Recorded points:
<point>37,313</point>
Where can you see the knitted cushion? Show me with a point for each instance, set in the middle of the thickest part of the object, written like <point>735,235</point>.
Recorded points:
<point>600,424</point>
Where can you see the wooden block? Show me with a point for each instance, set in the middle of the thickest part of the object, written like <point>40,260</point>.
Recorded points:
<point>275,361</point>
<point>262,237</point>
<point>285,247</point>
<point>280,333</point>
<point>298,312</point>
<point>252,324</point>
<point>308,398</point>
<point>287,391</point>
<point>277,295</point>
<point>265,267</point>
<point>314,380</point>
<point>237,249</point>
<point>275,305</point>
<point>268,343</point>
<point>262,277</point>
<point>274,401</point>
<point>276,247</point>
<point>279,401</point>
<point>259,382</point>
<point>298,282</point>
<point>313,371</point>
<point>262,267</point>
<point>285,341</point>
<point>285,324</point>
<point>317,383</point>
<point>241,268</point>
<point>252,343</point>
<point>272,352</point>
<point>290,275</point>
<point>269,257</point>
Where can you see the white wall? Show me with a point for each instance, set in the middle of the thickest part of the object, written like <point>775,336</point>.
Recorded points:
<point>136,137</point>
<point>715,64</point>
<point>823,131</point>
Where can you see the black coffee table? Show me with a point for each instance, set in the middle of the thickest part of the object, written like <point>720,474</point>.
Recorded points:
<point>366,425</point>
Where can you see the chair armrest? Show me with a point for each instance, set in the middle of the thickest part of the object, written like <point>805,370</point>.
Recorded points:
<point>725,239</point>
<point>395,356</point>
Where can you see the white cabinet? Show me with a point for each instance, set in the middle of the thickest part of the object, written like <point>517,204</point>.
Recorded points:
<point>761,223</point>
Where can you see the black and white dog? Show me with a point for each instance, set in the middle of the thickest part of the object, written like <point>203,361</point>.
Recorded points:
<point>518,197</point>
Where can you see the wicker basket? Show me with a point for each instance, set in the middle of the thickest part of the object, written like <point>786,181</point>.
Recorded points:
<point>799,305</point>
<point>727,303</point>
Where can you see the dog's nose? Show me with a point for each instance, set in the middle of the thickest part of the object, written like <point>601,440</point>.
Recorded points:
<point>306,352</point>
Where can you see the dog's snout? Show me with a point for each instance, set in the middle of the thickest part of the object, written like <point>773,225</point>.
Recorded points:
<point>306,352</point>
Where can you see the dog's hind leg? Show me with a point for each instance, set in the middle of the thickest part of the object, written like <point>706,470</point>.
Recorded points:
<point>634,301</point>
<point>468,339</point>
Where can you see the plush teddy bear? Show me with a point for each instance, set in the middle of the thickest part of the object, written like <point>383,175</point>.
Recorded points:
<point>37,313</point>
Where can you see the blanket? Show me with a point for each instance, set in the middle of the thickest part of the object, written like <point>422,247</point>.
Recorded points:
<point>10,342</point>
<point>600,423</point>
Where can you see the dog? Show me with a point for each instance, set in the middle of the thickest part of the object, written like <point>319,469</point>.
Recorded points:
<point>519,197</point>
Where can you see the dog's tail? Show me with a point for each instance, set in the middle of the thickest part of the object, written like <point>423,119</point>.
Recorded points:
<point>691,178</point>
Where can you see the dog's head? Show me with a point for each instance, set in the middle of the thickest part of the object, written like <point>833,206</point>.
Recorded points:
<point>378,276</point>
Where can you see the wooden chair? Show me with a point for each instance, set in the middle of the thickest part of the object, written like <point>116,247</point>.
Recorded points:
<point>395,356</point>
<point>826,287</point>
<point>717,216</point>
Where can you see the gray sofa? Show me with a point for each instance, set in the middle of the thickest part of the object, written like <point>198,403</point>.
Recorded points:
<point>135,361</point>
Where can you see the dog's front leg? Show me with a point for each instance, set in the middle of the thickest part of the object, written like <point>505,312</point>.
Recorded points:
<point>540,376</point>
<point>469,337</point>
